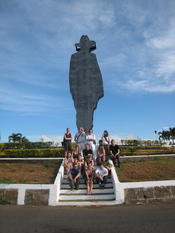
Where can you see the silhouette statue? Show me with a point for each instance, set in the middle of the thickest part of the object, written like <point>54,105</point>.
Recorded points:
<point>86,84</point>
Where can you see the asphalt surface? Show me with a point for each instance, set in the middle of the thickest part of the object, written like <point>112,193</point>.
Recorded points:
<point>159,218</point>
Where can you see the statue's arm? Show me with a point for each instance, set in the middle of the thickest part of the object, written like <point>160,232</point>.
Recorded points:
<point>98,76</point>
<point>72,77</point>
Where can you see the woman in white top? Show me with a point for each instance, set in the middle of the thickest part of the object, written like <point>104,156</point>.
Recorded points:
<point>106,141</point>
<point>91,140</point>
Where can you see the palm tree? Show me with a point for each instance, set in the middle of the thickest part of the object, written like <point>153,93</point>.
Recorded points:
<point>172,134</point>
<point>24,139</point>
<point>164,135</point>
<point>17,137</point>
<point>155,131</point>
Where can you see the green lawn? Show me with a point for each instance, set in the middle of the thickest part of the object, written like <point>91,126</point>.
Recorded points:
<point>20,172</point>
<point>148,169</point>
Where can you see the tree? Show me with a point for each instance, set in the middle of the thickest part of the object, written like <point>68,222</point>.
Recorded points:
<point>17,137</point>
<point>24,139</point>
<point>164,135</point>
<point>167,135</point>
<point>172,134</point>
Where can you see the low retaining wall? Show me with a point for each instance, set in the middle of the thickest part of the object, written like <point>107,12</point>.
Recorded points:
<point>148,192</point>
<point>28,194</point>
<point>37,197</point>
<point>8,196</point>
<point>48,194</point>
<point>32,194</point>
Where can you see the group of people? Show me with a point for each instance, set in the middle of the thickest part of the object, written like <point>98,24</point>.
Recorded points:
<point>91,161</point>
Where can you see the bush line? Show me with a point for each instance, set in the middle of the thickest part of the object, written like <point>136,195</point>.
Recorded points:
<point>24,145</point>
<point>59,152</point>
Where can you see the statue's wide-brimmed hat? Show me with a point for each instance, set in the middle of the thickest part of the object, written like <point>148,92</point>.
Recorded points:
<point>85,44</point>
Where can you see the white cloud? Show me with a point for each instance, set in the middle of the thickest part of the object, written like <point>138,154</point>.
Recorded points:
<point>114,61</point>
<point>134,41</point>
<point>166,65</point>
<point>29,102</point>
<point>151,61</point>
<point>148,86</point>
<point>52,138</point>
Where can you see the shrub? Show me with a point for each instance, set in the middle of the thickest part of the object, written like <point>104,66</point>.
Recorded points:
<point>135,142</point>
<point>146,150</point>
<point>59,152</point>
<point>24,145</point>
<point>32,153</point>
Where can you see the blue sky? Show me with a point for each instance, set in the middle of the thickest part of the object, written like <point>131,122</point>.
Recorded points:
<point>135,51</point>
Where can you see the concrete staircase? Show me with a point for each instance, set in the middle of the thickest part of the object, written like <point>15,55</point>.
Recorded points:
<point>100,196</point>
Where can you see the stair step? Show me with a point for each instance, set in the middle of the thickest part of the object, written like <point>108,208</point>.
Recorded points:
<point>65,177</point>
<point>84,191</point>
<point>82,181</point>
<point>86,203</point>
<point>86,197</point>
<point>83,186</point>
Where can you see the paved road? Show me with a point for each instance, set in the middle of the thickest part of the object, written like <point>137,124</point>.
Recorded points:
<point>159,218</point>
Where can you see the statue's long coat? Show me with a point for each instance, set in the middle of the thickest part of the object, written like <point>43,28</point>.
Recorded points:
<point>86,86</point>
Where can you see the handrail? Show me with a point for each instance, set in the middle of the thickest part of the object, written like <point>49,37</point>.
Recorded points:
<point>118,189</point>
<point>58,179</point>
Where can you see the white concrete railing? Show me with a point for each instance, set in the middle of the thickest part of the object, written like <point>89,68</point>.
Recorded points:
<point>118,189</point>
<point>147,184</point>
<point>54,189</point>
<point>58,180</point>
<point>21,188</point>
<point>27,159</point>
<point>145,156</point>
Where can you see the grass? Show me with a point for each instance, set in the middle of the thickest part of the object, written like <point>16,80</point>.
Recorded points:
<point>6,181</point>
<point>33,172</point>
<point>148,169</point>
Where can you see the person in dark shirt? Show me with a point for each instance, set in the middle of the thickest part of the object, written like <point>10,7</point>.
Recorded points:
<point>67,140</point>
<point>87,151</point>
<point>114,153</point>
<point>73,176</point>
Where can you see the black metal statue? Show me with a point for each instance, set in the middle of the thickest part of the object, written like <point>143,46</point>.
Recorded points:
<point>86,84</point>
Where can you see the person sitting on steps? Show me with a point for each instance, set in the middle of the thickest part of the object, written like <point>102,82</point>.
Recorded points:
<point>68,161</point>
<point>89,176</point>
<point>109,165</point>
<point>88,160</point>
<point>114,152</point>
<point>73,176</point>
<point>101,154</point>
<point>87,151</point>
<point>101,174</point>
